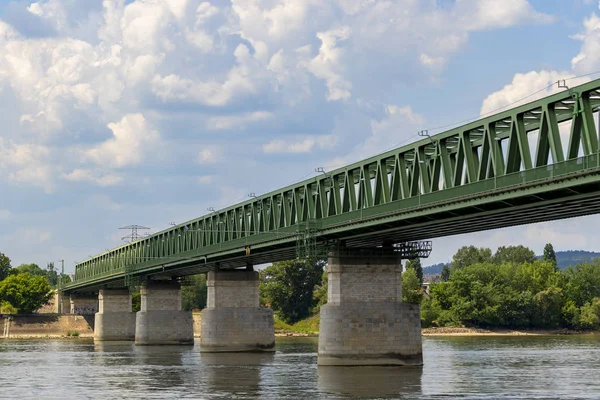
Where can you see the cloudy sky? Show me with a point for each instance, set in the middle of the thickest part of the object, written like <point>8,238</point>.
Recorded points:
<point>148,112</point>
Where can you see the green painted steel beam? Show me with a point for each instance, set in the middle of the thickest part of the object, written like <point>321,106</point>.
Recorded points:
<point>545,145</point>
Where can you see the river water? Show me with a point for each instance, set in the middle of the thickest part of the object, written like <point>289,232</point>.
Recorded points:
<point>491,367</point>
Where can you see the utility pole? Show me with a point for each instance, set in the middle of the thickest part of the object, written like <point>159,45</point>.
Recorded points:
<point>58,297</point>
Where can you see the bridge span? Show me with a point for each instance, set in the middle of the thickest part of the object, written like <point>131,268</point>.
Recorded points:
<point>535,162</point>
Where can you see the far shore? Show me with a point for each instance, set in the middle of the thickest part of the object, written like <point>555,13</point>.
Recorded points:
<point>448,331</point>
<point>443,331</point>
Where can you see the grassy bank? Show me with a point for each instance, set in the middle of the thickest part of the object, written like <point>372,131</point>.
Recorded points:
<point>310,327</point>
<point>305,327</point>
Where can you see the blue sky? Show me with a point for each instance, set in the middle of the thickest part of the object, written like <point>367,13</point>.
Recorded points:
<point>147,112</point>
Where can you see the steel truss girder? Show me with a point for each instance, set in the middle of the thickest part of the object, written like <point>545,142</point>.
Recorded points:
<point>527,144</point>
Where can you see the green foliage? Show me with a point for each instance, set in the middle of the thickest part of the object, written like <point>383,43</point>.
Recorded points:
<point>288,288</point>
<point>281,326</point>
<point>469,255</point>
<point>5,266</point>
<point>415,264</point>
<point>136,301</point>
<point>25,292</point>
<point>309,325</point>
<point>73,333</point>
<point>511,293</point>
<point>583,282</point>
<point>7,308</point>
<point>513,254</point>
<point>590,315</point>
<point>194,295</point>
<point>31,269</point>
<point>549,254</point>
<point>445,275</point>
<point>52,274</point>
<point>411,287</point>
<point>320,293</point>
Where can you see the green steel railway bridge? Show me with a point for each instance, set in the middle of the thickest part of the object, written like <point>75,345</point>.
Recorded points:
<point>533,163</point>
<point>536,162</point>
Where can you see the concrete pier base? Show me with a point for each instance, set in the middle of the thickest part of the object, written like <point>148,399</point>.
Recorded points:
<point>83,304</point>
<point>114,320</point>
<point>160,320</point>
<point>233,320</point>
<point>365,321</point>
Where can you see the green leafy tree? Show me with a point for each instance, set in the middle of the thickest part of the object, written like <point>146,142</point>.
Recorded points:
<point>4,266</point>
<point>445,275</point>
<point>288,287</point>
<point>469,255</point>
<point>136,301</point>
<point>513,254</point>
<point>549,254</point>
<point>31,269</point>
<point>549,304</point>
<point>194,295</point>
<point>25,292</point>
<point>320,293</point>
<point>411,287</point>
<point>415,264</point>
<point>583,282</point>
<point>590,315</point>
<point>52,274</point>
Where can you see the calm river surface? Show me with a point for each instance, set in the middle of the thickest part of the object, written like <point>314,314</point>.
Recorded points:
<point>547,367</point>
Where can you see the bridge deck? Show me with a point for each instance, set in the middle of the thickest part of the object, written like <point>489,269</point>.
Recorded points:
<point>533,163</point>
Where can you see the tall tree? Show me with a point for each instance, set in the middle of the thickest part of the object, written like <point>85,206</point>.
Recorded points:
<point>31,269</point>
<point>25,292</point>
<point>4,266</point>
<point>514,254</point>
<point>288,287</point>
<point>469,255</point>
<point>194,295</point>
<point>445,275</point>
<point>549,254</point>
<point>51,274</point>
<point>415,264</point>
<point>411,288</point>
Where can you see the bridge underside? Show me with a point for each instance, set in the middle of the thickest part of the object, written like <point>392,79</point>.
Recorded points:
<point>565,197</point>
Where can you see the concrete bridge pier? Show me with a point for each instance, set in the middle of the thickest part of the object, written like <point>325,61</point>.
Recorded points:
<point>160,320</point>
<point>365,321</point>
<point>114,319</point>
<point>233,320</point>
<point>83,304</point>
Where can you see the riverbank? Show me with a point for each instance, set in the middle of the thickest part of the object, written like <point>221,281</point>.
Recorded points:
<point>73,326</point>
<point>449,331</point>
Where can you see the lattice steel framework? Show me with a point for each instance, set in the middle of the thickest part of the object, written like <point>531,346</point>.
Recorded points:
<point>532,163</point>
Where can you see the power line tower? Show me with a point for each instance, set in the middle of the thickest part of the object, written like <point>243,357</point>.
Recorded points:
<point>134,233</point>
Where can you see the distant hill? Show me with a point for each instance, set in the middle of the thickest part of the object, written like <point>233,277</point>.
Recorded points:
<point>574,257</point>
<point>434,269</point>
<point>563,260</point>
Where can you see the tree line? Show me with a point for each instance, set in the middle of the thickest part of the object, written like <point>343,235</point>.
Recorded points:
<point>513,289</point>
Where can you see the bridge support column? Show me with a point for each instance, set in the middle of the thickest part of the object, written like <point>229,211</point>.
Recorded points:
<point>365,321</point>
<point>83,304</point>
<point>160,320</point>
<point>233,320</point>
<point>114,319</point>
